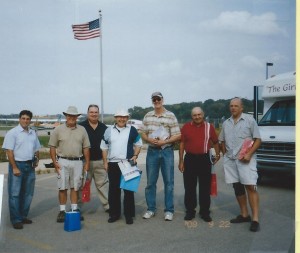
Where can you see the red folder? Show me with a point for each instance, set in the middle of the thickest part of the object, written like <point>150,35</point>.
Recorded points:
<point>213,185</point>
<point>247,145</point>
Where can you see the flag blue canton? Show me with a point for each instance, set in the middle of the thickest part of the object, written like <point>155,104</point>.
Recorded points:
<point>94,24</point>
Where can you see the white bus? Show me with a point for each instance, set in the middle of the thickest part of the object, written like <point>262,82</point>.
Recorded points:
<point>277,126</point>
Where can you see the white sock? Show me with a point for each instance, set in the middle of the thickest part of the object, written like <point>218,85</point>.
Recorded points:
<point>74,207</point>
<point>62,207</point>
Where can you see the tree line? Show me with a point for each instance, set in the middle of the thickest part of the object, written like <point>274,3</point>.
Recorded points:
<point>212,109</point>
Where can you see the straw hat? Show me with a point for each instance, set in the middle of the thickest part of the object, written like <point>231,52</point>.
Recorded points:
<point>72,110</point>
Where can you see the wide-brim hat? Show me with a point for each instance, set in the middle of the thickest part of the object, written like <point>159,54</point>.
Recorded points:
<point>156,94</point>
<point>72,110</point>
<point>122,113</point>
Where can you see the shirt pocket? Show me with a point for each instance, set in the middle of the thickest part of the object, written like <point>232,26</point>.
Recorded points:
<point>245,132</point>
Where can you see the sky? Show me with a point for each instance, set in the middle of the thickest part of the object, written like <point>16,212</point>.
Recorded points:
<point>189,50</point>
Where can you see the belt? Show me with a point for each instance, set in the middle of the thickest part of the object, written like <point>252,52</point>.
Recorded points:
<point>71,158</point>
<point>159,148</point>
<point>191,154</point>
<point>28,161</point>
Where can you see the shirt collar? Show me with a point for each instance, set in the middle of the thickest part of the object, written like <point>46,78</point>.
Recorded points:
<point>193,124</point>
<point>118,128</point>
<point>74,127</point>
<point>21,129</point>
<point>163,113</point>
<point>242,117</point>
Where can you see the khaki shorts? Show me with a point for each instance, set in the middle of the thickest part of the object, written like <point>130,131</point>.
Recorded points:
<point>70,174</point>
<point>237,171</point>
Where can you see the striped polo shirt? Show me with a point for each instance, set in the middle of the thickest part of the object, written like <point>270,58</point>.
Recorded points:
<point>167,120</point>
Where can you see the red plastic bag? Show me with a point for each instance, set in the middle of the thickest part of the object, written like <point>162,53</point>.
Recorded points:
<point>213,185</point>
<point>86,191</point>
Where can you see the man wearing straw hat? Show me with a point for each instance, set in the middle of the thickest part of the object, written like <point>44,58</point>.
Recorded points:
<point>69,145</point>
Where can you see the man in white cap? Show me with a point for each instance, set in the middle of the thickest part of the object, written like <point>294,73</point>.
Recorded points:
<point>69,145</point>
<point>161,131</point>
<point>120,142</point>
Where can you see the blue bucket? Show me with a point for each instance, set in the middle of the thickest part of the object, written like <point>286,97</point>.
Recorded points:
<point>72,221</point>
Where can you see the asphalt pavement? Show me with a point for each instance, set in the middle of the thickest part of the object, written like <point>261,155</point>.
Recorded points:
<point>277,219</point>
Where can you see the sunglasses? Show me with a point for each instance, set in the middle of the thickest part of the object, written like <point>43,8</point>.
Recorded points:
<point>156,99</point>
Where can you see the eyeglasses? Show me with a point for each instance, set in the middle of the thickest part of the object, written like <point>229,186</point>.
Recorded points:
<point>156,99</point>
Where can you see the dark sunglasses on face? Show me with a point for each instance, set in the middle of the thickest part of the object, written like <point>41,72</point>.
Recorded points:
<point>156,99</point>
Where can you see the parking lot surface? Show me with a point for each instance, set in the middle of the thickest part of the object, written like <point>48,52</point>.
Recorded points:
<point>277,219</point>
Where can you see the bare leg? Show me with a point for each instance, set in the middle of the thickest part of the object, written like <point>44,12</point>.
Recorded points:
<point>73,196</point>
<point>242,201</point>
<point>62,197</point>
<point>253,201</point>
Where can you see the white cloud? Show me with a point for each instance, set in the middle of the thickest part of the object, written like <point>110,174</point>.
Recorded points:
<point>244,22</point>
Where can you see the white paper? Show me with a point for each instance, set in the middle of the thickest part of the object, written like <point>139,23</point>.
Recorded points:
<point>85,175</point>
<point>128,171</point>
<point>162,134</point>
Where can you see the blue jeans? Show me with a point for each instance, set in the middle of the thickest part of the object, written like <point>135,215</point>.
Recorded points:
<point>20,191</point>
<point>156,159</point>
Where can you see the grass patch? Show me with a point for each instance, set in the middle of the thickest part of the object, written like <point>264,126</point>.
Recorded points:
<point>44,140</point>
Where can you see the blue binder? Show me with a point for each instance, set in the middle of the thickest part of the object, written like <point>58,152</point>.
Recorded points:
<point>130,185</point>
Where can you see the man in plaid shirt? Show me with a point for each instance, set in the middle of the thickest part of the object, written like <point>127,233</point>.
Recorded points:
<point>161,131</point>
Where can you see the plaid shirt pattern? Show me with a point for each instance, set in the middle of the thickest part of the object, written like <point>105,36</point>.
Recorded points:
<point>168,120</point>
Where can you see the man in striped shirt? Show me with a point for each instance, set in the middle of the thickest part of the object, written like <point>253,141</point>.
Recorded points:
<point>160,131</point>
<point>196,139</point>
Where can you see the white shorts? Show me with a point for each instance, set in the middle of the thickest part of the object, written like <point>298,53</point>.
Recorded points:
<point>70,174</point>
<point>237,171</point>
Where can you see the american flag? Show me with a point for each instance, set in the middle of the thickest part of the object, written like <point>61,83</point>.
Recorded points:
<point>87,30</point>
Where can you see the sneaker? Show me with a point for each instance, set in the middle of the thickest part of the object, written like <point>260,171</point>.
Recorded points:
<point>168,216</point>
<point>18,225</point>
<point>61,217</point>
<point>148,214</point>
<point>78,211</point>
<point>254,226</point>
<point>240,219</point>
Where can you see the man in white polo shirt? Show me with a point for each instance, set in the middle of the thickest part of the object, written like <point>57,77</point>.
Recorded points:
<point>120,142</point>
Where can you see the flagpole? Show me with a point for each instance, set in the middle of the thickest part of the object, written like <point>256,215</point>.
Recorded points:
<point>101,69</point>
